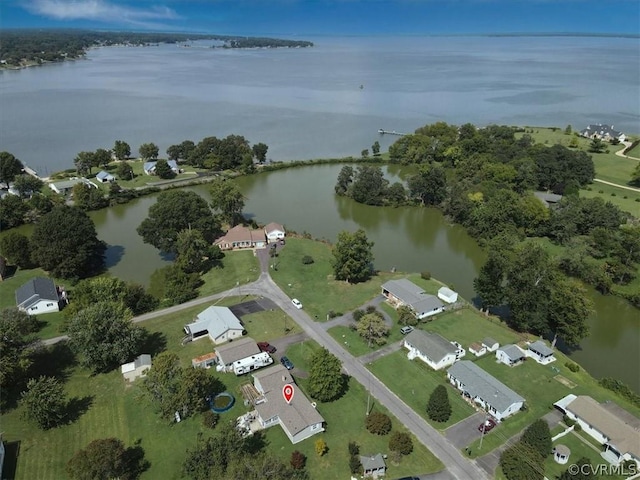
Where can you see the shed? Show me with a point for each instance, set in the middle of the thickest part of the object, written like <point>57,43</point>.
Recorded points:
<point>539,351</point>
<point>477,349</point>
<point>447,295</point>
<point>204,361</point>
<point>491,344</point>
<point>561,454</point>
<point>136,369</point>
<point>105,177</point>
<point>38,295</point>
<point>373,465</point>
<point>510,355</point>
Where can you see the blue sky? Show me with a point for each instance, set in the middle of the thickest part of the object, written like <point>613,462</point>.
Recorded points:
<point>320,17</point>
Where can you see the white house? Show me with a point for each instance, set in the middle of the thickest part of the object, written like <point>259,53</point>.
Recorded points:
<point>539,351</point>
<point>274,232</point>
<point>490,344</point>
<point>510,355</point>
<point>608,424</point>
<point>431,348</point>
<point>373,466</point>
<point>240,237</point>
<point>136,369</point>
<point>603,132</point>
<point>218,322</point>
<point>447,295</point>
<point>150,167</point>
<point>39,295</point>
<point>105,177</point>
<point>485,390</point>
<point>299,419</point>
<point>231,352</point>
<point>404,292</point>
<point>65,186</point>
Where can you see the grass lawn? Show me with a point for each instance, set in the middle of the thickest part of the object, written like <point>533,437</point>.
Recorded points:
<point>239,268</point>
<point>634,152</point>
<point>414,382</point>
<point>269,325</point>
<point>624,199</point>
<point>140,178</point>
<point>345,423</point>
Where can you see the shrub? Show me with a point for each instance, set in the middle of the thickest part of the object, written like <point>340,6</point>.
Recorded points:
<point>569,422</point>
<point>371,309</point>
<point>574,367</point>
<point>613,194</point>
<point>307,260</point>
<point>425,275</point>
<point>621,389</point>
<point>357,315</point>
<point>577,428</point>
<point>321,447</point>
<point>333,314</point>
<point>210,419</point>
<point>354,449</point>
<point>298,460</point>
<point>600,191</point>
<point>439,408</point>
<point>401,442</point>
<point>354,464</point>
<point>378,423</point>
<point>625,197</point>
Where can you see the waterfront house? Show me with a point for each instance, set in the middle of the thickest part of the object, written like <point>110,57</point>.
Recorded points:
<point>510,355</point>
<point>373,466</point>
<point>431,348</point>
<point>479,387</point>
<point>539,351</point>
<point>150,167</point>
<point>240,237</point>
<point>274,232</point>
<point>136,369</point>
<point>603,132</point>
<point>219,323</point>
<point>39,295</point>
<point>404,292</point>
<point>105,177</point>
<point>65,186</point>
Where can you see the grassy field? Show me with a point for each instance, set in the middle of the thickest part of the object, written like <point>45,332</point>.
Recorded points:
<point>414,382</point>
<point>239,268</point>
<point>626,200</point>
<point>141,179</point>
<point>634,152</point>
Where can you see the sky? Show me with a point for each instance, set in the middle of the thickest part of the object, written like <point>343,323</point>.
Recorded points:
<point>329,17</point>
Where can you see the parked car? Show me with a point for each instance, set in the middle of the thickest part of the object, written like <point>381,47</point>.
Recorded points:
<point>266,347</point>
<point>408,478</point>
<point>296,303</point>
<point>286,363</point>
<point>487,425</point>
<point>404,331</point>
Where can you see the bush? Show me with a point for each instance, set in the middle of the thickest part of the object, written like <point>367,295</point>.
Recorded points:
<point>569,422</point>
<point>357,315</point>
<point>425,275</point>
<point>439,408</point>
<point>371,309</point>
<point>210,419</point>
<point>613,194</point>
<point>577,428</point>
<point>621,389</point>
<point>321,447</point>
<point>401,442</point>
<point>307,260</point>
<point>298,460</point>
<point>354,449</point>
<point>333,314</point>
<point>354,465</point>
<point>378,423</point>
<point>574,367</point>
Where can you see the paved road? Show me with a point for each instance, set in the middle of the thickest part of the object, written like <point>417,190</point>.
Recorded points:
<point>616,185</point>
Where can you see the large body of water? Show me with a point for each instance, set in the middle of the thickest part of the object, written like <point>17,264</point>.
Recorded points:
<point>307,103</point>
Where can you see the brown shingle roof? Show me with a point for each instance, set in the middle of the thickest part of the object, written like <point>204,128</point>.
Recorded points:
<point>273,226</point>
<point>237,350</point>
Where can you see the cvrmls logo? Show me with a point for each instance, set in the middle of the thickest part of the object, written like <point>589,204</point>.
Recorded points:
<point>287,393</point>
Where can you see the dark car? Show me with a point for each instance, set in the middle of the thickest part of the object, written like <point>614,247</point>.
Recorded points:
<point>287,363</point>
<point>408,478</point>
<point>266,347</point>
<point>487,425</point>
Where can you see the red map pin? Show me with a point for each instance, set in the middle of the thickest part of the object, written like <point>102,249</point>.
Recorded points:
<point>287,393</point>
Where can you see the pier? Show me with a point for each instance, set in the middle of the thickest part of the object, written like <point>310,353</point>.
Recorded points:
<point>382,131</point>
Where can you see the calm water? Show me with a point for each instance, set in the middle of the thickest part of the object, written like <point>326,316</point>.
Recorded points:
<point>307,103</point>
<point>410,239</point>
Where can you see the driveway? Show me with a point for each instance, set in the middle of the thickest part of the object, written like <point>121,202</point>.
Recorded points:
<point>252,306</point>
<point>465,431</point>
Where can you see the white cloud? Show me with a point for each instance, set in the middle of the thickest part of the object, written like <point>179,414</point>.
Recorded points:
<point>101,10</point>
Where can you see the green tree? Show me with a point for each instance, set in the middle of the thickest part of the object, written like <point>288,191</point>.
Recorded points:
<point>378,423</point>
<point>105,459</point>
<point>345,179</point>
<point>16,334</point>
<point>88,198</point>
<point>521,462</point>
<point>406,316</point>
<point>84,162</point>
<point>568,130</point>
<point>174,152</point>
<point>16,249</point>
<point>64,242</point>
<point>353,257</point>
<point>124,170</point>
<point>365,153</point>
<point>12,212</point>
<point>101,158</point>
<point>227,198</point>
<point>325,377</point>
<point>148,151</point>
<point>103,336</point>
<point>163,170</point>
<point>439,408</point>
<point>375,148</point>
<point>27,185</point>
<point>401,442</point>
<point>121,150</point>
<point>568,310</point>
<point>262,466</point>
<point>171,285</point>
<point>193,251</point>
<point>489,282</point>
<point>583,472</point>
<point>174,211</point>
<point>210,458</point>
<point>44,402</point>
<point>260,152</point>
<point>538,436</point>
<point>373,329</point>
<point>429,185</point>
<point>396,194</point>
<point>635,175</point>
<point>596,146</point>
<point>10,167</point>
<point>369,185</point>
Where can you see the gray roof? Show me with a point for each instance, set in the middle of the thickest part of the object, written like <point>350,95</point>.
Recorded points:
<point>600,129</point>
<point>150,166</point>
<point>489,342</point>
<point>547,198</point>
<point>479,383</point>
<point>143,360</point>
<point>372,462</point>
<point>66,184</point>
<point>430,344</point>
<point>102,175</point>
<point>412,295</point>
<point>237,350</point>
<point>34,290</point>
<point>216,321</point>
<point>541,348</point>
<point>513,352</point>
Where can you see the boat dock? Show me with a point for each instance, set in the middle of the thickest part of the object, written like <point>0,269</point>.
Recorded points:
<point>382,131</point>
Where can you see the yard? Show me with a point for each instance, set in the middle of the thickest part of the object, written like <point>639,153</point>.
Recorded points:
<point>141,179</point>
<point>626,200</point>
<point>239,268</point>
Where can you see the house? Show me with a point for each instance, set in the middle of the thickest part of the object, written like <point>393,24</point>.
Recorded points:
<point>447,295</point>
<point>39,295</point>
<point>490,344</point>
<point>431,348</point>
<point>65,186</point>
<point>105,177</point>
<point>485,390</point>
<point>136,369</point>
<point>204,361</point>
<point>540,352</point>
<point>231,352</point>
<point>150,167</point>
<point>477,349</point>
<point>299,419</point>
<point>274,232</point>
<point>373,465</point>
<point>603,132</point>
<point>218,322</point>
<point>548,199</point>
<point>510,355</point>
<point>404,292</point>
<point>617,430</point>
<point>241,237</point>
